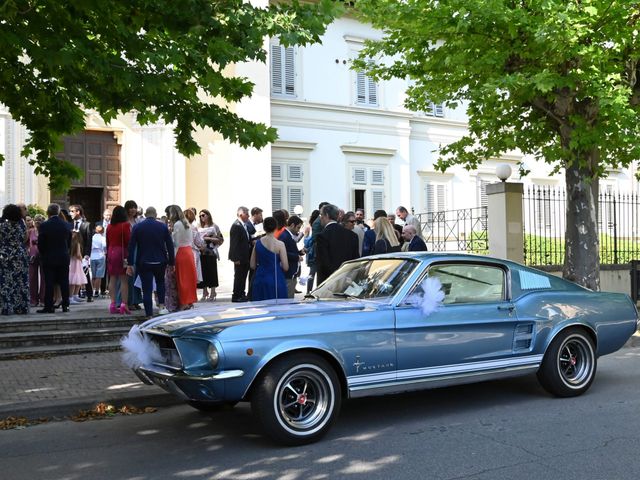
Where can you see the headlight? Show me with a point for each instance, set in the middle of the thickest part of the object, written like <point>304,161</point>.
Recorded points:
<point>213,355</point>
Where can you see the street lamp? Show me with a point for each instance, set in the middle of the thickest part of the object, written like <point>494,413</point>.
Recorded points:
<point>503,172</point>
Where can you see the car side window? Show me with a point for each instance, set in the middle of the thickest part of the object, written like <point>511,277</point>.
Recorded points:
<point>466,283</point>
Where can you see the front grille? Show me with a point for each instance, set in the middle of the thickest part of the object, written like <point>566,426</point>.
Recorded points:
<point>170,355</point>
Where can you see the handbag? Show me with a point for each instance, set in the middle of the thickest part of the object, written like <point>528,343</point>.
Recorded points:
<point>125,262</point>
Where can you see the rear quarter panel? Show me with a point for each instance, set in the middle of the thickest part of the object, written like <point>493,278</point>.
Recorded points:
<point>611,317</point>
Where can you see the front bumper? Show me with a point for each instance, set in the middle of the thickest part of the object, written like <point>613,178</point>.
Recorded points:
<point>187,386</point>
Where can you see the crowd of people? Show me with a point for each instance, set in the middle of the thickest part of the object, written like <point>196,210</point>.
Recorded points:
<point>138,257</point>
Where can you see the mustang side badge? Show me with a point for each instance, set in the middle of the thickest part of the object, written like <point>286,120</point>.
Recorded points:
<point>358,363</point>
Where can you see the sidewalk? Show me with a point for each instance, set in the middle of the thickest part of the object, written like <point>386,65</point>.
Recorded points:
<point>61,386</point>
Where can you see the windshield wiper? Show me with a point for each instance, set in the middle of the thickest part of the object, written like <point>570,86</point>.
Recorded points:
<point>311,295</point>
<point>346,295</point>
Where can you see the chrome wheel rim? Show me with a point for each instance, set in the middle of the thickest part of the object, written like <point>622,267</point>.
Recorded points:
<point>304,398</point>
<point>575,361</point>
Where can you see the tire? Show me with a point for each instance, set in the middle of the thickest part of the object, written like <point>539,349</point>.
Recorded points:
<point>212,407</point>
<point>569,365</point>
<point>297,399</point>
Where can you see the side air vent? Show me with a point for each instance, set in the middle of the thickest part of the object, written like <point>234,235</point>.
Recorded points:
<point>523,337</point>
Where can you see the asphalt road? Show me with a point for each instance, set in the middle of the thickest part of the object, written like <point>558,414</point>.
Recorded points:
<point>507,429</point>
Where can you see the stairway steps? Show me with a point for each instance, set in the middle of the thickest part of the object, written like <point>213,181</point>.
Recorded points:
<point>54,350</point>
<point>58,337</point>
<point>34,325</point>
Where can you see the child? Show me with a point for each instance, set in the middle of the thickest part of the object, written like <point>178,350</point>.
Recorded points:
<point>77,278</point>
<point>98,259</point>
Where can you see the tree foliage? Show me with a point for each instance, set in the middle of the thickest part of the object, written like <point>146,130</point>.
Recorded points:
<point>159,58</point>
<point>556,79</point>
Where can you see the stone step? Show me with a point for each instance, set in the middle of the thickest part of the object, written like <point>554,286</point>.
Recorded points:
<point>62,322</point>
<point>53,350</point>
<point>10,341</point>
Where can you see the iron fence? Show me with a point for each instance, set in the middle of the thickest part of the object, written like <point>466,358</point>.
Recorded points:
<point>544,226</point>
<point>462,230</point>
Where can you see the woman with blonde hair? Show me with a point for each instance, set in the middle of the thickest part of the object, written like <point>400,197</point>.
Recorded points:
<point>185,271</point>
<point>386,240</point>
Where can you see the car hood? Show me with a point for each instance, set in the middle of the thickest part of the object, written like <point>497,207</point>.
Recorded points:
<point>216,318</point>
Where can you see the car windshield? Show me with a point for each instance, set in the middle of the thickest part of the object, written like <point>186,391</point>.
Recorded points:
<point>367,279</point>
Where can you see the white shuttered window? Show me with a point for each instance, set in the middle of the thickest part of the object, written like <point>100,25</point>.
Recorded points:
<point>366,89</point>
<point>287,186</point>
<point>435,195</point>
<point>282,70</point>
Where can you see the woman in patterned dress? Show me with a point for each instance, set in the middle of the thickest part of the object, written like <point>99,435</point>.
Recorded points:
<point>14,263</point>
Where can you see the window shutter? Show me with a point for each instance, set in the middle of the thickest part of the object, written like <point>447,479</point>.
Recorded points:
<point>361,87</point>
<point>294,173</point>
<point>294,197</point>
<point>276,69</point>
<point>438,110</point>
<point>276,172</point>
<point>373,91</point>
<point>289,71</point>
<point>482,192</point>
<point>377,197</point>
<point>377,176</point>
<point>276,198</point>
<point>442,197</point>
<point>360,176</point>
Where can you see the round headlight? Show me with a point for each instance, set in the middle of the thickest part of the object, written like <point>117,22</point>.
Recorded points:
<point>213,355</point>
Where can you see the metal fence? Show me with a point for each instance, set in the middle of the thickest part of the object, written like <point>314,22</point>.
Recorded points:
<point>544,226</point>
<point>462,230</point>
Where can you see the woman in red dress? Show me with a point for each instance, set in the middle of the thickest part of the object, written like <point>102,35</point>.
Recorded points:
<point>186,276</point>
<point>118,235</point>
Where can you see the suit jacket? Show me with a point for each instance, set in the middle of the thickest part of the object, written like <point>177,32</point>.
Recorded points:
<point>153,242</point>
<point>85,231</point>
<point>239,243</point>
<point>293,254</point>
<point>54,241</point>
<point>334,245</point>
<point>417,245</point>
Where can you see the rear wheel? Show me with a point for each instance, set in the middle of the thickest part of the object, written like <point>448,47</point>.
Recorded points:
<point>569,366</point>
<point>297,399</point>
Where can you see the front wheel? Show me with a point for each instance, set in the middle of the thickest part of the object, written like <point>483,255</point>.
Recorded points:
<point>297,399</point>
<point>569,366</point>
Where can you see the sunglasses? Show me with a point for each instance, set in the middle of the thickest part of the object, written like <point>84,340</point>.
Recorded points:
<point>351,221</point>
<point>202,215</point>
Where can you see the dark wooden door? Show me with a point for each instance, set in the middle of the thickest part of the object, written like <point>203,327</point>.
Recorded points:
<point>97,154</point>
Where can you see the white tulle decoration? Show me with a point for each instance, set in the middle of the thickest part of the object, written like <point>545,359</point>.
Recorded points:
<point>432,295</point>
<point>138,350</point>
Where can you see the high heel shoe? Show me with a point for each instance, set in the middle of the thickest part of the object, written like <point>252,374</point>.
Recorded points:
<point>204,297</point>
<point>212,297</point>
<point>124,309</point>
<point>113,308</point>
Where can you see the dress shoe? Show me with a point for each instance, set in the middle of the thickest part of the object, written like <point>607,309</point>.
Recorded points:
<point>46,310</point>
<point>89,299</point>
<point>65,309</point>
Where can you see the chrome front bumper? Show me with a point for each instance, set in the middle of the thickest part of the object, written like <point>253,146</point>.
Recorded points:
<point>154,375</point>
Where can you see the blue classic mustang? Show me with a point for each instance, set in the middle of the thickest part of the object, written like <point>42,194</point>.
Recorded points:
<point>383,324</point>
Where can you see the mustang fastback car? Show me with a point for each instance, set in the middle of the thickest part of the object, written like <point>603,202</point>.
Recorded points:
<point>379,325</point>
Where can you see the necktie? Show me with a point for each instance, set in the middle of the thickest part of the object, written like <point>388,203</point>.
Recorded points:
<point>77,225</point>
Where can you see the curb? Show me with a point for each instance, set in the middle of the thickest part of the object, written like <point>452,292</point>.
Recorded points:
<point>61,408</point>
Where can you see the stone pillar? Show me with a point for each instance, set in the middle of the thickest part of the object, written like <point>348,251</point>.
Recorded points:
<point>505,221</point>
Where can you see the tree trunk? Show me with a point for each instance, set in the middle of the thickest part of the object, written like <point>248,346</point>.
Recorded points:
<point>582,242</point>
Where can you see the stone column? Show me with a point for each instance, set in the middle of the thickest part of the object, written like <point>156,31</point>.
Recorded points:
<point>505,221</point>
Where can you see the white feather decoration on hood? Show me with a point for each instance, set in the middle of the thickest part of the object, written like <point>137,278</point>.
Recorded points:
<point>432,297</point>
<point>138,350</point>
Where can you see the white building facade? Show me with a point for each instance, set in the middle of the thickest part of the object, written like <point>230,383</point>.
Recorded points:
<point>342,138</point>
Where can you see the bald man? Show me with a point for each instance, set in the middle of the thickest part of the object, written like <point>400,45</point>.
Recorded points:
<point>413,242</point>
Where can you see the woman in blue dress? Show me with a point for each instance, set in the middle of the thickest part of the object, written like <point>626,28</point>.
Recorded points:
<point>269,260</point>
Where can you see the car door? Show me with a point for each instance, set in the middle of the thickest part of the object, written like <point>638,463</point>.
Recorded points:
<point>471,330</point>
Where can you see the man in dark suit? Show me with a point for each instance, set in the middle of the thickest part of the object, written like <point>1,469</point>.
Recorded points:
<point>152,247</point>
<point>240,254</point>
<point>54,240</point>
<point>80,224</point>
<point>289,238</point>
<point>334,245</point>
<point>413,243</point>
